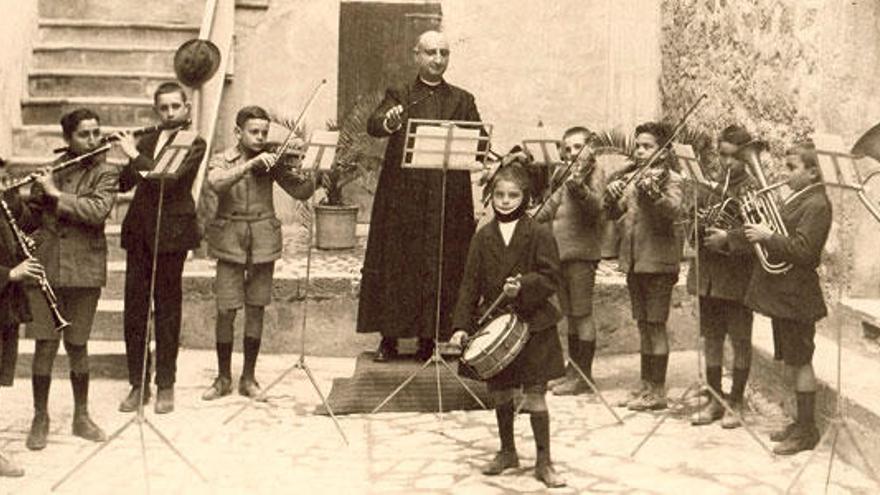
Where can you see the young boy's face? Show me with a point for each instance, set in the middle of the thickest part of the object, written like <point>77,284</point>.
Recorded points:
<point>729,160</point>
<point>171,108</point>
<point>252,134</point>
<point>646,144</point>
<point>85,138</point>
<point>572,145</point>
<point>507,196</point>
<point>798,176</point>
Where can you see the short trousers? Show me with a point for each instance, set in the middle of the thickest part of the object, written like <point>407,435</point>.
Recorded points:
<point>650,295</point>
<point>576,291</point>
<point>237,284</point>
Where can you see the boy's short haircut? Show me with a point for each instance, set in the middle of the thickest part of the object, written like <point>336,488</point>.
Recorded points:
<point>70,121</point>
<point>169,87</point>
<point>250,112</point>
<point>736,135</point>
<point>656,129</point>
<point>806,150</point>
<point>578,129</point>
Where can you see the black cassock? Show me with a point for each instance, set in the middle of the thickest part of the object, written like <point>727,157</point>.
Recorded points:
<point>399,285</point>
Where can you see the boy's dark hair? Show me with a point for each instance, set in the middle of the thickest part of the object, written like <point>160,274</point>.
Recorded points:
<point>806,150</point>
<point>578,129</point>
<point>656,129</point>
<point>250,112</point>
<point>735,134</point>
<point>169,87</point>
<point>70,121</point>
<point>515,173</point>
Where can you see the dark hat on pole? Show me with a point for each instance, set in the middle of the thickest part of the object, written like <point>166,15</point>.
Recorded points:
<point>196,61</point>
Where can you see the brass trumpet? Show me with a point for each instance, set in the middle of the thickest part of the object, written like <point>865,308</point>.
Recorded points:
<point>760,206</point>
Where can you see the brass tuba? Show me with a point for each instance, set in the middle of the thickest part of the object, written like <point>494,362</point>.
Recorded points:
<point>760,206</point>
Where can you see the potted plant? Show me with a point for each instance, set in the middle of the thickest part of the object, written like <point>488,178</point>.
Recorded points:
<point>350,183</point>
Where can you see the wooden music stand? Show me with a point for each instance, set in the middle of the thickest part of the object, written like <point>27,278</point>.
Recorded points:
<point>544,151</point>
<point>694,173</point>
<point>320,154</point>
<point>167,167</point>
<point>442,145</point>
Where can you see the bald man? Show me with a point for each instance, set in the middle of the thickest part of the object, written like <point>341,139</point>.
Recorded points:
<point>398,293</point>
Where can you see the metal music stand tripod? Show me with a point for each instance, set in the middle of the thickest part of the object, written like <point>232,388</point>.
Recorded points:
<point>691,165</point>
<point>320,154</point>
<point>167,167</point>
<point>443,145</point>
<point>838,170</point>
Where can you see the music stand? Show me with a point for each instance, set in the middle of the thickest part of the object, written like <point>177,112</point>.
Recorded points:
<point>167,167</point>
<point>694,173</point>
<point>441,145</point>
<point>320,153</point>
<point>838,170</point>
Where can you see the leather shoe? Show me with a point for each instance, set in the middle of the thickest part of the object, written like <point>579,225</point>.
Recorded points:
<point>130,404</point>
<point>785,432</point>
<point>221,387</point>
<point>249,387</point>
<point>802,438</point>
<point>504,459</point>
<point>36,439</point>
<point>164,400</point>
<point>545,473</point>
<point>385,353</point>
<point>84,427</point>
<point>8,467</point>
<point>730,421</point>
<point>426,350</point>
<point>710,413</point>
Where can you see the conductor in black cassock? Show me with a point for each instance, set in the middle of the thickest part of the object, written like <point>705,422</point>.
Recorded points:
<point>399,286</point>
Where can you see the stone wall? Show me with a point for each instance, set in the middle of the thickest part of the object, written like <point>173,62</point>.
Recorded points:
<point>785,69</point>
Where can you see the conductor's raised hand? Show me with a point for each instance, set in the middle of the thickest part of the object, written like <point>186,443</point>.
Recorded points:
<point>394,117</point>
<point>716,239</point>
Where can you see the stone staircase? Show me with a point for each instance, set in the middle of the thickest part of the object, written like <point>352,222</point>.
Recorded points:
<point>107,55</point>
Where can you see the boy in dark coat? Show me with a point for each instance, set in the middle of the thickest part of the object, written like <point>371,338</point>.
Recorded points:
<point>793,300</point>
<point>516,256</point>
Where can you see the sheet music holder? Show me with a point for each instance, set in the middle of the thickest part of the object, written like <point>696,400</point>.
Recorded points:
<point>168,163</point>
<point>839,169</point>
<point>545,152</point>
<point>690,163</point>
<point>442,145</point>
<point>445,144</point>
<point>321,150</point>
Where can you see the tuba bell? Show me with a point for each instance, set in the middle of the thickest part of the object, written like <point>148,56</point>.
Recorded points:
<point>760,206</point>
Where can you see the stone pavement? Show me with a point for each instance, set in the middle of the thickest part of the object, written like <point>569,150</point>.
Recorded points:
<point>280,447</point>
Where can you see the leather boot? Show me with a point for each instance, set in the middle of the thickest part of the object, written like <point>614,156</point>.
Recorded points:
<point>503,460</point>
<point>9,468</point>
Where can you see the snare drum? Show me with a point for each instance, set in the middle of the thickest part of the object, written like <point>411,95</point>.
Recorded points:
<point>496,345</point>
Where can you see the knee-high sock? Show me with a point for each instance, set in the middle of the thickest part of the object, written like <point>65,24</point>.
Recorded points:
<point>40,387</point>
<point>251,351</point>
<point>541,428</point>
<point>504,414</point>
<point>587,352</point>
<point>806,406</point>
<point>574,348</point>
<point>79,382</point>
<point>661,363</point>
<point>713,378</point>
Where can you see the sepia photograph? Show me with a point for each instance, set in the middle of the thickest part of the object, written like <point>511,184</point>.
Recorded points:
<point>467,247</point>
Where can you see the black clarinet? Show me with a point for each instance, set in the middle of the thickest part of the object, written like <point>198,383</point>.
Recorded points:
<point>26,244</point>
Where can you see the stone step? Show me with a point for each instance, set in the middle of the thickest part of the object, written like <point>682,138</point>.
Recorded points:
<point>42,140</point>
<point>171,11</point>
<point>156,34</point>
<point>118,111</point>
<point>124,57</point>
<point>85,82</point>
